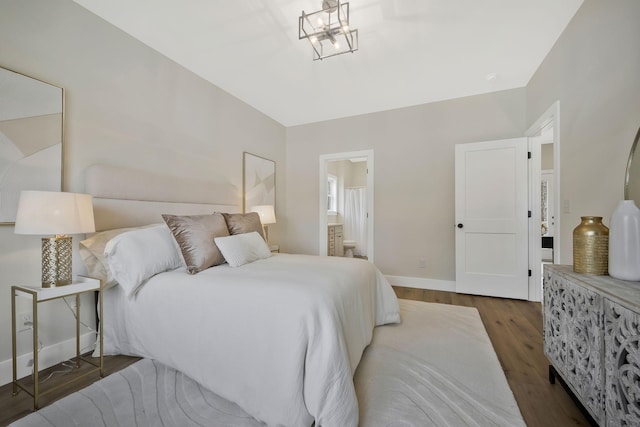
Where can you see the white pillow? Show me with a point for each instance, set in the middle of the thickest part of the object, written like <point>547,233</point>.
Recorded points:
<point>135,256</point>
<point>92,254</point>
<point>241,249</point>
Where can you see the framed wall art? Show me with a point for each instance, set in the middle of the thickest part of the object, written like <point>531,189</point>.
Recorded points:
<point>259,181</point>
<point>31,118</point>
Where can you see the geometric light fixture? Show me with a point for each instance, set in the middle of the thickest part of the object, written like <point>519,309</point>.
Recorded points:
<point>328,30</point>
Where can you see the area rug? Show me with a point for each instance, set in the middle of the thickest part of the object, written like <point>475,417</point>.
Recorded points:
<point>436,368</point>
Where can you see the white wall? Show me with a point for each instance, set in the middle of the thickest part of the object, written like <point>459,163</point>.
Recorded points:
<point>414,175</point>
<point>126,105</point>
<point>357,175</point>
<point>594,70</point>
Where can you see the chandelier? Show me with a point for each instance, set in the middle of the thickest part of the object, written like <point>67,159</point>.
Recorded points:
<point>328,30</point>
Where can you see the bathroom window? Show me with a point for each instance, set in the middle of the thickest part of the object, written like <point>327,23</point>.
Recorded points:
<point>332,194</point>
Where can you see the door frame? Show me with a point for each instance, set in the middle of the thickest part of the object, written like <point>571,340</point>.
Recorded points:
<point>551,117</point>
<point>323,222</point>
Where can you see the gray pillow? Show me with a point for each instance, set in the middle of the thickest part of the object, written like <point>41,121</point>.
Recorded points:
<point>243,223</point>
<point>195,234</point>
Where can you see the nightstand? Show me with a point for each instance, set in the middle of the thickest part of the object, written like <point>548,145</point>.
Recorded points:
<point>79,286</point>
<point>274,249</point>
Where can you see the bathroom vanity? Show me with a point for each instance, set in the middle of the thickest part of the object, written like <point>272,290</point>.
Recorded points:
<point>335,239</point>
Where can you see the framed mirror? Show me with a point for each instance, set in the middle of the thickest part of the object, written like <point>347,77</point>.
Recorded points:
<point>632,177</point>
<point>31,132</point>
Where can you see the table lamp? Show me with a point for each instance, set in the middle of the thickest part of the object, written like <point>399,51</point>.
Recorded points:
<point>60,214</point>
<point>267,216</point>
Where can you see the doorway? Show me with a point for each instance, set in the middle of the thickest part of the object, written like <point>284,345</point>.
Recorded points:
<point>478,249</point>
<point>346,204</point>
<point>544,191</point>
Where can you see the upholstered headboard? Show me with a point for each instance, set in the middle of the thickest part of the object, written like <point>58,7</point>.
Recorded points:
<point>128,198</point>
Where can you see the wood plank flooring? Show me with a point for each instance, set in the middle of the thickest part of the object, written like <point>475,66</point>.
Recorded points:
<point>515,330</point>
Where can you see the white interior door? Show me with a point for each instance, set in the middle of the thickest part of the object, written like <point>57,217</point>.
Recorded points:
<point>492,218</point>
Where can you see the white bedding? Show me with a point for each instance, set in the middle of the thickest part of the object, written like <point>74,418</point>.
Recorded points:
<point>281,337</point>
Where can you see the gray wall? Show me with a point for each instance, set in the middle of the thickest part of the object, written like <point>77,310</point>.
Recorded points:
<point>594,70</point>
<point>126,105</point>
<point>546,152</point>
<point>414,175</point>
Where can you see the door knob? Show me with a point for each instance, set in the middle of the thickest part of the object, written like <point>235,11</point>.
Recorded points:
<point>460,225</point>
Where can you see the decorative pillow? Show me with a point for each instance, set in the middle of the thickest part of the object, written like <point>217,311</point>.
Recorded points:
<point>136,256</point>
<point>195,234</point>
<point>243,223</point>
<point>92,253</point>
<point>242,249</point>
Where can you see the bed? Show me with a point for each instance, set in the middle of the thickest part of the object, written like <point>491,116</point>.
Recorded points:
<point>437,368</point>
<point>280,335</point>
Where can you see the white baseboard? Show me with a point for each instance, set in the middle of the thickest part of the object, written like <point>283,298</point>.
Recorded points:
<point>49,356</point>
<point>422,283</point>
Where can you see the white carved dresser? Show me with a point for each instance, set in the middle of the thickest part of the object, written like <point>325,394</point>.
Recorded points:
<point>592,339</point>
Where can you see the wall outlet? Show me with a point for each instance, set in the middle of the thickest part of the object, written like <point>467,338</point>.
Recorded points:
<point>25,320</point>
<point>422,263</point>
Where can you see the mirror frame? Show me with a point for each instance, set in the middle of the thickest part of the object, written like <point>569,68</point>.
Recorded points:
<point>58,170</point>
<point>629,164</point>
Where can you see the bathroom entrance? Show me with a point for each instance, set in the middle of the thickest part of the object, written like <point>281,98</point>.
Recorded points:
<point>346,204</point>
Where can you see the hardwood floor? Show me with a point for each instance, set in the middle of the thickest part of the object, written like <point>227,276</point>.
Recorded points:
<point>515,330</point>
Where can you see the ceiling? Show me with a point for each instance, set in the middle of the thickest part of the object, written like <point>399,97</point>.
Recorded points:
<point>411,51</point>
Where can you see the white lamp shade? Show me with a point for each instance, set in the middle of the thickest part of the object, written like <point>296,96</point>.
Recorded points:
<point>50,212</point>
<point>266,212</point>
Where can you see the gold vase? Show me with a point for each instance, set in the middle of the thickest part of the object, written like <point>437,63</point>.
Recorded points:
<point>591,246</point>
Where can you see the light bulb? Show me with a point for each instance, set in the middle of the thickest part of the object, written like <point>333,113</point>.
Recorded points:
<point>320,21</point>
<point>345,28</point>
<point>314,39</point>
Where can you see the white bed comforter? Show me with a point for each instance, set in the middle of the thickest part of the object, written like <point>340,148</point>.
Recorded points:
<point>280,337</point>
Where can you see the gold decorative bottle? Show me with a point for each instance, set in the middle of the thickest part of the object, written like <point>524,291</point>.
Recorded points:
<point>591,246</point>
